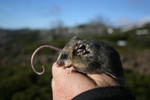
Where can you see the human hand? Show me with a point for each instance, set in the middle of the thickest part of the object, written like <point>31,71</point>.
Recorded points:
<point>66,86</point>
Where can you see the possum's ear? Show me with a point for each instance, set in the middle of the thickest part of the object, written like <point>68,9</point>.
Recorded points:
<point>81,49</point>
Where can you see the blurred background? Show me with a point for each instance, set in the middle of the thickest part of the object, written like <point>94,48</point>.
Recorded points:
<point>28,24</point>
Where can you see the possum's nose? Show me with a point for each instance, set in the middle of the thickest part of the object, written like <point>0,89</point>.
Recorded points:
<point>60,62</point>
<point>61,59</point>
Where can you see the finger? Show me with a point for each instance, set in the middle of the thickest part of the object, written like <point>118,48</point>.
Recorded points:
<point>57,71</point>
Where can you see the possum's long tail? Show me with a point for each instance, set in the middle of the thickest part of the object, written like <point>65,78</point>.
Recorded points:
<point>35,52</point>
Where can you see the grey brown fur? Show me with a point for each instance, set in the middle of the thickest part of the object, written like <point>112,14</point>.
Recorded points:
<point>92,57</point>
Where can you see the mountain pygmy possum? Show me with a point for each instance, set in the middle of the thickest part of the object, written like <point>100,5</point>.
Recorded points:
<point>88,57</point>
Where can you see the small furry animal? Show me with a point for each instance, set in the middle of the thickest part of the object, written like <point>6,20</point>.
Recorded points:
<point>92,57</point>
<point>89,57</point>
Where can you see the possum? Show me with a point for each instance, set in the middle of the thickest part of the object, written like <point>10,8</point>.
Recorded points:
<point>89,56</point>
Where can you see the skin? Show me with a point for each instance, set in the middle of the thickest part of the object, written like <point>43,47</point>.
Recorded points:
<point>66,86</point>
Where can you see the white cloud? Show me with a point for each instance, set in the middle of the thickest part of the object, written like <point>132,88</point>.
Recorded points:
<point>126,21</point>
<point>123,22</point>
<point>128,25</point>
<point>144,20</point>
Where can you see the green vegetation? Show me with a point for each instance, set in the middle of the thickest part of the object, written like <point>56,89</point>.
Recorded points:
<point>20,83</point>
<point>139,84</point>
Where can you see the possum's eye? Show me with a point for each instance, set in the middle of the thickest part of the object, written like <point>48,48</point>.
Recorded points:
<point>63,56</point>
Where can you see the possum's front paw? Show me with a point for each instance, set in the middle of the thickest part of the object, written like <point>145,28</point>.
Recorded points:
<point>69,70</point>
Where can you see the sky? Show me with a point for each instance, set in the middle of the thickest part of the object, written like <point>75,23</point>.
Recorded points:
<point>39,14</point>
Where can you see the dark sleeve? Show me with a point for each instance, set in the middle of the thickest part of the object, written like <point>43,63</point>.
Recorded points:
<point>106,93</point>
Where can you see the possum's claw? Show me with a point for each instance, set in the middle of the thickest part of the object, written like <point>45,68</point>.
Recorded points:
<point>34,53</point>
<point>69,70</point>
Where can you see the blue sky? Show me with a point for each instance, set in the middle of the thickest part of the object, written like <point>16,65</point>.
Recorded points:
<point>15,14</point>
